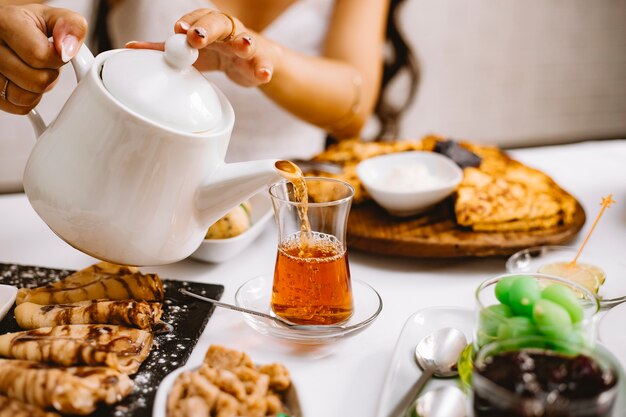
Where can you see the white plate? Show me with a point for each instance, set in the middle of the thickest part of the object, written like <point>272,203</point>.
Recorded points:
<point>611,332</point>
<point>7,298</point>
<point>220,250</point>
<point>256,294</point>
<point>159,409</point>
<point>403,371</point>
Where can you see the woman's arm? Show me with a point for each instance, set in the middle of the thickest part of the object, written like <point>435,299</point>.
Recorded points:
<point>336,91</point>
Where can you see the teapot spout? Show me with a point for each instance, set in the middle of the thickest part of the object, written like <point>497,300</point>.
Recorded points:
<point>231,184</point>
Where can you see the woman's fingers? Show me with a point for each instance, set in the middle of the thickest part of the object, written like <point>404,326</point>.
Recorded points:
<point>157,46</point>
<point>24,76</point>
<point>16,100</point>
<point>210,28</point>
<point>263,70</point>
<point>68,29</point>
<point>244,45</point>
<point>23,32</point>
<point>26,30</point>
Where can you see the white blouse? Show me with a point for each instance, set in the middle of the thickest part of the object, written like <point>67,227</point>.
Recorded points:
<point>262,128</point>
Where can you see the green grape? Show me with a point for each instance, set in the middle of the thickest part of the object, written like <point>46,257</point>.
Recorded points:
<point>523,293</point>
<point>566,298</point>
<point>483,338</point>
<point>492,317</point>
<point>503,288</point>
<point>516,327</point>
<point>573,343</point>
<point>551,319</point>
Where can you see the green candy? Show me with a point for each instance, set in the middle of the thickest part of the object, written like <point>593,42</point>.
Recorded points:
<point>516,327</point>
<point>523,294</point>
<point>492,317</point>
<point>552,320</point>
<point>503,287</point>
<point>566,298</point>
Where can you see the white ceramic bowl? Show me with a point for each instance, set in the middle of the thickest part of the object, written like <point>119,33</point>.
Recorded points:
<point>220,250</point>
<point>437,176</point>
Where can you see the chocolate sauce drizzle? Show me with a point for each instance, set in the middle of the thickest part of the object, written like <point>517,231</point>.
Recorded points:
<point>187,316</point>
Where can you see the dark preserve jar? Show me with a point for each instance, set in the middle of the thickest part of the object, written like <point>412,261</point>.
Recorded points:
<point>537,377</point>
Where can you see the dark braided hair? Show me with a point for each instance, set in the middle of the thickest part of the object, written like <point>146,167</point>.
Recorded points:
<point>101,40</point>
<point>399,60</point>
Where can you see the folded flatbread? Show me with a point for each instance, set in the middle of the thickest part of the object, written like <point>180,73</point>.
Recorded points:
<point>14,408</point>
<point>99,281</point>
<point>505,195</point>
<point>133,313</point>
<point>68,390</point>
<point>120,348</point>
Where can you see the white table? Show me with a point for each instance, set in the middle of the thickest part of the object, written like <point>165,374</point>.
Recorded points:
<point>347,379</point>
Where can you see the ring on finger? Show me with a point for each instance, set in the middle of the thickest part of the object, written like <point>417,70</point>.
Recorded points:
<point>3,93</point>
<point>231,35</point>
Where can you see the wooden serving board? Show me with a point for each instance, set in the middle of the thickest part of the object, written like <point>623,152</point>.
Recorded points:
<point>435,234</point>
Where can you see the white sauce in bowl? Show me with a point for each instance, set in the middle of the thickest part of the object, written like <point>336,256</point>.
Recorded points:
<point>409,178</point>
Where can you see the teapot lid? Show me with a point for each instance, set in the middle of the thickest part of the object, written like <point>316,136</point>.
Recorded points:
<point>164,87</point>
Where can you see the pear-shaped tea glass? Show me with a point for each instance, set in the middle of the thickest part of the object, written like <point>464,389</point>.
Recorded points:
<point>312,276</point>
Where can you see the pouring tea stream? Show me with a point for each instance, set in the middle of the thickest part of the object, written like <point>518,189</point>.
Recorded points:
<point>132,170</point>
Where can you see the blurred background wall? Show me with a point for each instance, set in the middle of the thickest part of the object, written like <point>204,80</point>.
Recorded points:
<point>518,73</point>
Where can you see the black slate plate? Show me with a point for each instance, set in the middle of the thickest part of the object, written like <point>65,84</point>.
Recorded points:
<point>170,351</point>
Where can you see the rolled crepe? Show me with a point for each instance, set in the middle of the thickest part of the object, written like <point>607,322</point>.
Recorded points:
<point>120,348</point>
<point>99,281</point>
<point>14,408</point>
<point>68,390</point>
<point>133,313</point>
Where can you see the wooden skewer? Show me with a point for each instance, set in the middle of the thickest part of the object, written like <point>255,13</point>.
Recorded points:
<point>606,203</point>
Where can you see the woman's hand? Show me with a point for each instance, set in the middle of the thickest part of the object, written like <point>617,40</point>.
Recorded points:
<point>226,45</point>
<point>29,63</point>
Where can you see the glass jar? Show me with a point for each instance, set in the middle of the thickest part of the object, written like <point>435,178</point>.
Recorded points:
<point>533,377</point>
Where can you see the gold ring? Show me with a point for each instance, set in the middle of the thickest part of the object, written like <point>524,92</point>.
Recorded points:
<point>231,35</point>
<point>3,93</point>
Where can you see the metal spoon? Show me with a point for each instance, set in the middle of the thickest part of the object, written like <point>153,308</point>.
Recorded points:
<point>307,165</point>
<point>276,319</point>
<point>441,402</point>
<point>612,302</point>
<point>437,355</point>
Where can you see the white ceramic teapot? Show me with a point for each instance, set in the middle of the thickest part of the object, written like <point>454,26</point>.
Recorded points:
<point>132,170</point>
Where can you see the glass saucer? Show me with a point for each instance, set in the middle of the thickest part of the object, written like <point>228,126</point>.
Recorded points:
<point>532,259</point>
<point>256,294</point>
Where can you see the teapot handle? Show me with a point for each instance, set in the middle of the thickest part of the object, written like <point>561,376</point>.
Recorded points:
<point>82,62</point>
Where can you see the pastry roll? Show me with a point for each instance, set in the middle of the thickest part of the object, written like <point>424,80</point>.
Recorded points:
<point>120,348</point>
<point>132,313</point>
<point>14,408</point>
<point>99,281</point>
<point>68,390</point>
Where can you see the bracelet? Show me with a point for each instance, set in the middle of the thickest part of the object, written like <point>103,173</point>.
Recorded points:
<point>355,107</point>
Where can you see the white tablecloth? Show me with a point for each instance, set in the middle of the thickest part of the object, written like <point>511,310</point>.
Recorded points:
<point>347,379</point>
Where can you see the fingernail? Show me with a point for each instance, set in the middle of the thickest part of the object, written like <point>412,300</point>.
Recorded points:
<point>266,72</point>
<point>247,40</point>
<point>69,47</point>
<point>200,32</point>
<point>184,25</point>
<point>130,43</point>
